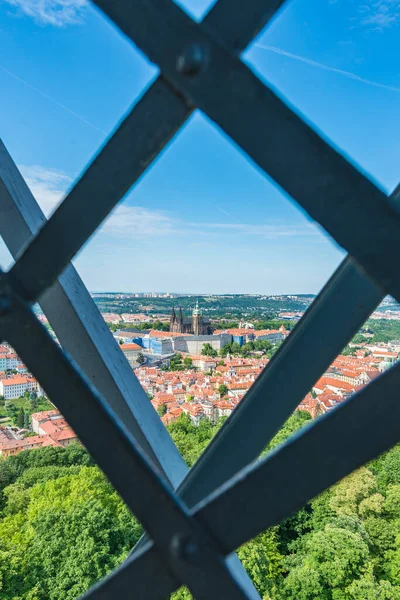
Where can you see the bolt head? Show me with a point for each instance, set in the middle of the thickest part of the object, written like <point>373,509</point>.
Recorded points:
<point>184,548</point>
<point>191,60</point>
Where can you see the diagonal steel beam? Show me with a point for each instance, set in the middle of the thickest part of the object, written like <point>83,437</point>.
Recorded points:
<point>185,547</point>
<point>84,335</point>
<point>261,496</point>
<point>348,299</point>
<point>330,448</point>
<point>82,331</point>
<point>227,436</point>
<point>136,143</point>
<point>337,313</point>
<point>320,179</point>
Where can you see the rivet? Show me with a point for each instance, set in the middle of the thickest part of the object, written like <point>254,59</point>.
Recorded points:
<point>184,548</point>
<point>191,60</point>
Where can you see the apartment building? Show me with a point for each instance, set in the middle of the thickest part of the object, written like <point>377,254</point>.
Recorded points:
<point>16,386</point>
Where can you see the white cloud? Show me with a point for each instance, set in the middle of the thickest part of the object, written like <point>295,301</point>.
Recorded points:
<point>269,230</point>
<point>136,221</point>
<point>58,13</point>
<point>47,185</point>
<point>126,222</point>
<point>380,14</point>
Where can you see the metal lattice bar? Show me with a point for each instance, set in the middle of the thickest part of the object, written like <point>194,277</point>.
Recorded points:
<point>84,335</point>
<point>131,149</point>
<point>251,493</point>
<point>332,447</point>
<point>349,297</point>
<point>163,515</point>
<point>82,331</point>
<point>322,181</point>
<point>136,575</point>
<point>200,68</point>
<point>120,162</point>
<point>326,451</point>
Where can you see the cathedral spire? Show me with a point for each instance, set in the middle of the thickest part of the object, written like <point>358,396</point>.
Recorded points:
<point>180,314</point>
<point>173,315</point>
<point>196,310</point>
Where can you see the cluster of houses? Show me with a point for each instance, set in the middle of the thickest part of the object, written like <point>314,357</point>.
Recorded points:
<point>216,387</point>
<point>209,387</point>
<point>51,429</point>
<point>14,377</point>
<point>197,392</point>
<point>348,374</point>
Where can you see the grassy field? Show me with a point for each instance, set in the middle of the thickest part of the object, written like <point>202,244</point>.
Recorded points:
<point>42,404</point>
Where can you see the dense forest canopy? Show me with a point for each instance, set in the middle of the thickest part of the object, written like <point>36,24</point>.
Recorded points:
<point>63,527</point>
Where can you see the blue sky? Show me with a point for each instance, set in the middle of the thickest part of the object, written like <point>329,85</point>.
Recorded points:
<point>203,219</point>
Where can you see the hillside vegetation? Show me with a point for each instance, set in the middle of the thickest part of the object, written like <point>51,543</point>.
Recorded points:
<point>63,527</point>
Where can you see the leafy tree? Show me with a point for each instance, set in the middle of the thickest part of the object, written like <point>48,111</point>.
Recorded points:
<point>368,588</point>
<point>235,348</point>
<point>295,422</point>
<point>190,439</point>
<point>225,350</point>
<point>223,390</point>
<point>348,351</point>
<point>208,350</point>
<point>63,527</point>
<point>351,491</point>
<point>21,418</point>
<point>140,358</point>
<point>62,535</point>
<point>162,409</point>
<point>262,345</point>
<point>273,350</point>
<point>182,594</point>
<point>387,468</point>
<point>273,324</point>
<point>263,561</point>
<point>33,401</point>
<point>248,347</point>
<point>187,361</point>
<point>176,363</point>
<point>333,557</point>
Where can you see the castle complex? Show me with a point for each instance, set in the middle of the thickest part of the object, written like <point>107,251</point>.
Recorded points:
<point>196,324</point>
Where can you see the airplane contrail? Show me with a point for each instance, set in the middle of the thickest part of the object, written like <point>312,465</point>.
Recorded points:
<point>52,100</point>
<point>318,65</point>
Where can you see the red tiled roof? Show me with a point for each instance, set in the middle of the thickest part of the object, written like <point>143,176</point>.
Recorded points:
<point>45,415</point>
<point>131,347</point>
<point>16,380</point>
<point>325,381</point>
